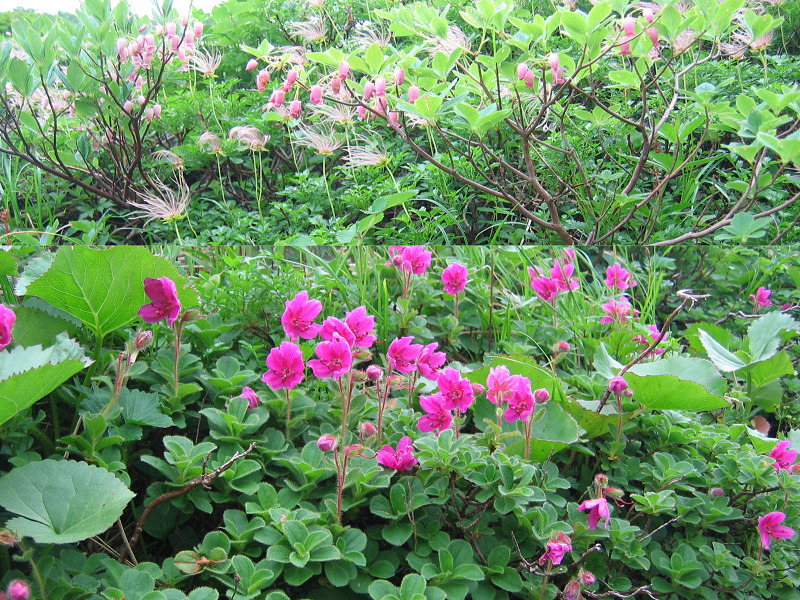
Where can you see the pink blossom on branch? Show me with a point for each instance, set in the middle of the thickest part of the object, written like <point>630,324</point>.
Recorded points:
<point>761,297</point>
<point>164,301</point>
<point>556,549</point>
<point>335,358</point>
<point>326,442</point>
<point>298,318</point>
<point>770,528</point>
<point>401,459</point>
<point>598,509</point>
<point>286,367</point>
<point>454,278</point>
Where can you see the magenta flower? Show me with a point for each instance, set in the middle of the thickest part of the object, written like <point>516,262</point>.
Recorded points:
<point>563,276</point>
<point>654,332</point>
<point>164,301</point>
<point>456,390</point>
<point>250,395</point>
<point>454,278</point>
<point>617,311</point>
<point>403,355</point>
<point>598,509</point>
<point>335,358</point>
<point>618,384</point>
<point>619,277</point>
<point>556,549</point>
<point>326,442</point>
<point>362,325</point>
<point>401,459</point>
<point>761,297</point>
<point>286,368</point>
<point>438,417</point>
<point>416,259</point>
<point>501,384</point>
<point>298,318</point>
<point>18,590</point>
<point>770,528</point>
<point>522,404</point>
<point>7,319</point>
<point>430,361</point>
<point>784,458</point>
<point>544,286</point>
<point>333,325</point>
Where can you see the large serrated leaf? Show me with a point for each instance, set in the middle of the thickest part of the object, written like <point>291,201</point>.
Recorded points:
<point>678,383</point>
<point>105,288</point>
<point>141,408</point>
<point>62,502</point>
<point>29,374</point>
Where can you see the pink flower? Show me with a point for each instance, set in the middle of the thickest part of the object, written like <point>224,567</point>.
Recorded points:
<point>653,33</point>
<point>617,311</point>
<point>335,358</point>
<point>18,590</point>
<point>291,77</point>
<point>438,416</point>
<point>563,346</point>
<point>454,278</point>
<point>399,76</point>
<point>429,361</point>
<point>546,288</point>
<point>529,79</point>
<point>521,405</point>
<point>598,509</point>
<point>380,86</point>
<point>522,69</point>
<point>654,333</point>
<point>326,442</point>
<point>315,96</point>
<point>619,277</point>
<point>416,259</point>
<point>761,297</point>
<point>784,458</point>
<point>413,94</point>
<point>563,276</point>
<point>344,70</point>
<point>501,384</point>
<point>165,304</point>
<point>556,549</point>
<point>298,318</point>
<point>277,97</point>
<point>295,108</point>
<point>368,430</point>
<point>251,64</point>
<point>401,459</point>
<point>629,27</point>
<point>7,318</point>
<point>572,591</point>
<point>403,355</point>
<point>618,384</point>
<point>262,79</point>
<point>374,373</point>
<point>770,528</point>
<point>369,89</point>
<point>541,396</point>
<point>647,13</point>
<point>286,368</point>
<point>587,578</point>
<point>250,395</point>
<point>456,390</point>
<point>362,325</point>
<point>333,325</point>
<point>555,68</point>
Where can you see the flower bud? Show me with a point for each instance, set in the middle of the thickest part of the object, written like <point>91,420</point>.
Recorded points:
<point>295,108</point>
<point>315,97</point>
<point>563,347</point>
<point>251,64</point>
<point>553,61</point>
<point>613,492</point>
<point>374,373</point>
<point>399,76</point>
<point>198,30</point>
<point>157,111</point>
<point>344,70</point>
<point>522,70</point>
<point>353,449</point>
<point>18,590</point>
<point>653,33</point>
<point>648,14</point>
<point>541,396</point>
<point>587,578</point>
<point>413,94</point>
<point>142,340</point>
<point>369,89</point>
<point>277,97</point>
<point>171,28</point>
<point>717,492</point>
<point>573,590</point>
<point>380,86</point>
<point>128,107</point>
<point>336,85</point>
<point>394,117</point>
<point>326,443</point>
<point>191,315</point>
<point>291,77</point>
<point>601,479</point>
<point>140,99</point>
<point>477,388</point>
<point>618,385</point>
<point>529,80</point>
<point>368,430</point>
<point>362,112</point>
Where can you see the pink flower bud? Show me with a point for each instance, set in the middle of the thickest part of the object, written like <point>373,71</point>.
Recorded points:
<point>344,70</point>
<point>181,54</point>
<point>477,388</point>
<point>315,97</point>
<point>142,340</point>
<point>647,14</point>
<point>552,59</point>
<point>188,37</point>
<point>563,346</point>
<point>159,30</point>
<point>522,69</point>
<point>362,112</point>
<point>601,479</point>
<point>628,393</point>
<point>295,108</point>
<point>140,99</point>
<point>368,429</point>
<point>369,89</point>
<point>277,97</point>
<point>18,590</point>
<point>157,111</point>
<point>121,44</point>
<point>572,591</point>
<point>629,26</point>
<point>394,117</point>
<point>149,114</point>
<point>291,77</point>
<point>336,85</point>
<point>128,107</point>
<point>380,86</point>
<point>198,30</point>
<point>251,64</point>
<point>171,28</point>
<point>717,492</point>
<point>399,76</point>
<point>587,578</point>
<point>541,396</point>
<point>326,443</point>
<point>413,94</point>
<point>618,385</point>
<point>354,449</point>
<point>184,20</point>
<point>653,33</point>
<point>529,76</point>
<point>374,373</point>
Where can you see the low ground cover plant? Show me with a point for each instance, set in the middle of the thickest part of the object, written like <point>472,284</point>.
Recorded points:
<point>406,422</point>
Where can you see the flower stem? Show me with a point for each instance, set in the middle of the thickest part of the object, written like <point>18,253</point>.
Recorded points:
<point>328,189</point>
<point>178,334</point>
<point>288,411</point>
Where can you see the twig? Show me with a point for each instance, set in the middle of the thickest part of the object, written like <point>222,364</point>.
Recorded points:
<point>645,589</point>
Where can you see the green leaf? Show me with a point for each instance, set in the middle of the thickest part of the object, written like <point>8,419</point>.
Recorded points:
<point>678,383</point>
<point>575,25</point>
<point>382,590</point>
<point>105,288</point>
<point>203,593</point>
<point>62,502</point>
<point>764,334</point>
<point>397,533</point>
<point>141,408</point>
<point>29,374</point>
<point>34,326</point>
<point>722,358</point>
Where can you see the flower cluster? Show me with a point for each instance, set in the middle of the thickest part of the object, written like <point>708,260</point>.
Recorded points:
<point>559,278</point>
<point>455,394</point>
